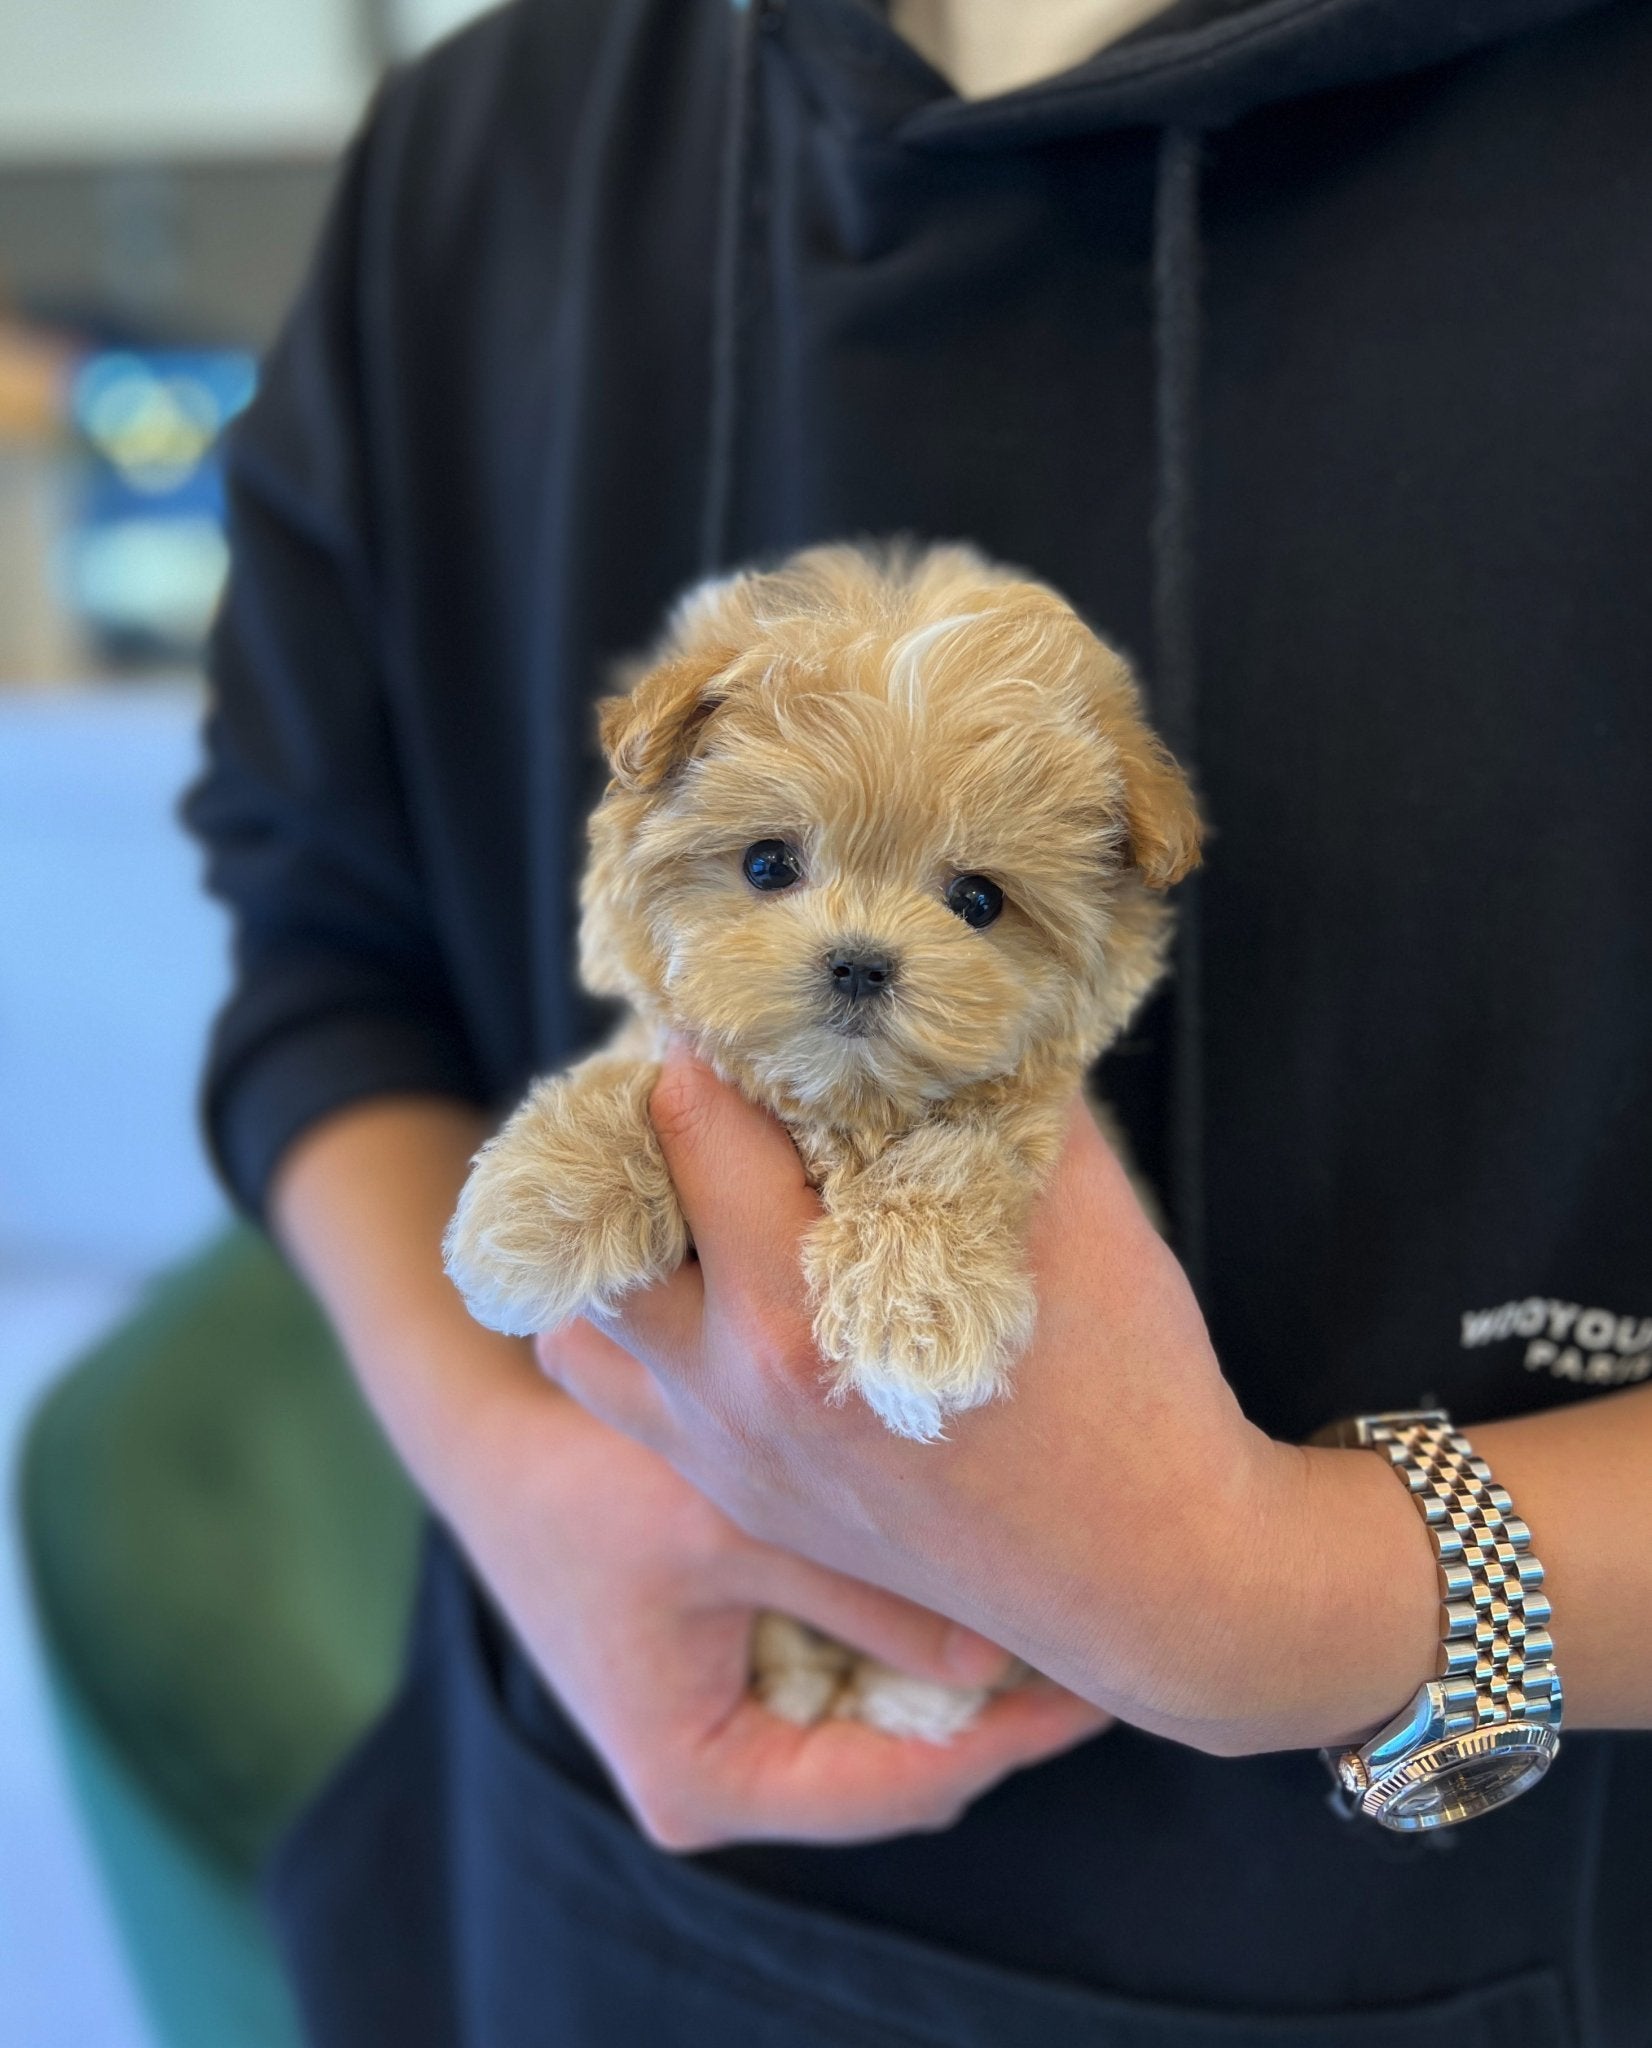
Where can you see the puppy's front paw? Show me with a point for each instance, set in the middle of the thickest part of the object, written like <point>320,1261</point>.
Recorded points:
<point>806,1677</point>
<point>918,1309</point>
<point>569,1206</point>
<point>797,1672</point>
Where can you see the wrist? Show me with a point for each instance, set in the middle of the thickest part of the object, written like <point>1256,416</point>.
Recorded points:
<point>1334,1620</point>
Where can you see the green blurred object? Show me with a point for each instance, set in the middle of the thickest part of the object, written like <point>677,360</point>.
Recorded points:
<point>222,1552</point>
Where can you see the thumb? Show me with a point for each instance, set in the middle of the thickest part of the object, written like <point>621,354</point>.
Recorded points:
<point>840,1781</point>
<point>737,1176</point>
<point>879,1624</point>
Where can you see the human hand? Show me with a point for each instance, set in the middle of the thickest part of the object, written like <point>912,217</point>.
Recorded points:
<point>635,1597</point>
<point>1117,1521</point>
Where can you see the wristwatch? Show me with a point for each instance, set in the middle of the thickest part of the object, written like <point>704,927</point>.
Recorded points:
<point>1487,1725</point>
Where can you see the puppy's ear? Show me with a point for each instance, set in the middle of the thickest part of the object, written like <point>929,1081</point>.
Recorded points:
<point>652,728</point>
<point>1163,831</point>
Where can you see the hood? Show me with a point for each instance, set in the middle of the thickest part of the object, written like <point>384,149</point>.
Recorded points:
<point>871,83</point>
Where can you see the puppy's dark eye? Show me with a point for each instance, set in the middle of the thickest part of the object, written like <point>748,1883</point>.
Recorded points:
<point>976,900</point>
<point>772,864</point>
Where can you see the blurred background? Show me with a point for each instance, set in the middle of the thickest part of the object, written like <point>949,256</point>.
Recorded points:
<point>163,166</point>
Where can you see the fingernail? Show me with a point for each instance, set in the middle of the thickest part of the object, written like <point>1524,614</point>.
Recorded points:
<point>972,1659</point>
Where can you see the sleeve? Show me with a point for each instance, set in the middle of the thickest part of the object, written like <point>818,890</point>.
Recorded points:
<point>339,989</point>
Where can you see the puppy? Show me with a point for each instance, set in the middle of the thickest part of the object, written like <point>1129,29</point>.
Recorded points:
<point>887,841</point>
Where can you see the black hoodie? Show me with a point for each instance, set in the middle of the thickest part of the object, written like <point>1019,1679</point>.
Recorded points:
<point>1309,350</point>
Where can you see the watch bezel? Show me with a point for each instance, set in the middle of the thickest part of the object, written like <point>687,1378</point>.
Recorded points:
<point>1539,1744</point>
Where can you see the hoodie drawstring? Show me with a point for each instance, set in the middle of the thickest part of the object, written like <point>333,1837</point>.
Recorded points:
<point>730,306</point>
<point>1176,307</point>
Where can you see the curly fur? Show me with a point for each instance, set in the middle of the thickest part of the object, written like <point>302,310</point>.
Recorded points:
<point>901,717</point>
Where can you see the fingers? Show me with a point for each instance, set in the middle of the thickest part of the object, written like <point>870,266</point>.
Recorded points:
<point>606,1381</point>
<point>879,1624</point>
<point>737,1175</point>
<point>841,1781</point>
<point>661,1324</point>
<point>1028,1725</point>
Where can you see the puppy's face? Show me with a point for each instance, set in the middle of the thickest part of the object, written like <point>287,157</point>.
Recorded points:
<point>881,828</point>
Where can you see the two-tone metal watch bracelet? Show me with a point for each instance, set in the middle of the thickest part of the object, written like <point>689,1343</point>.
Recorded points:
<point>1488,1725</point>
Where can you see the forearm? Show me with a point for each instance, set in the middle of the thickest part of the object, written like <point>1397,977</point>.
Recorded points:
<point>1581,1476</point>
<point>359,1204</point>
<point>1346,1617</point>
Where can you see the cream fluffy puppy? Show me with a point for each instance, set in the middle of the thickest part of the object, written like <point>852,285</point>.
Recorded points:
<point>887,841</point>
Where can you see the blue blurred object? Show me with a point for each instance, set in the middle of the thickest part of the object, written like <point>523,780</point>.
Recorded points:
<point>143,560</point>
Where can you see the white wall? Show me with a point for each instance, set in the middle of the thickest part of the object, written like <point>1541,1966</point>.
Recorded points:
<point>419,23</point>
<point>116,79</point>
<point>112,961</point>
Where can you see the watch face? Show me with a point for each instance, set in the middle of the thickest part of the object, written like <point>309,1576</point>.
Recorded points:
<point>1453,1781</point>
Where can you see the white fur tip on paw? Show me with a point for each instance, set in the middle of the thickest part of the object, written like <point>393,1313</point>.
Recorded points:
<point>898,1704</point>
<point>904,1404</point>
<point>913,1412</point>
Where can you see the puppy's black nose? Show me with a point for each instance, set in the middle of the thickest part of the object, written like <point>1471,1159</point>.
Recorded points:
<point>858,972</point>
